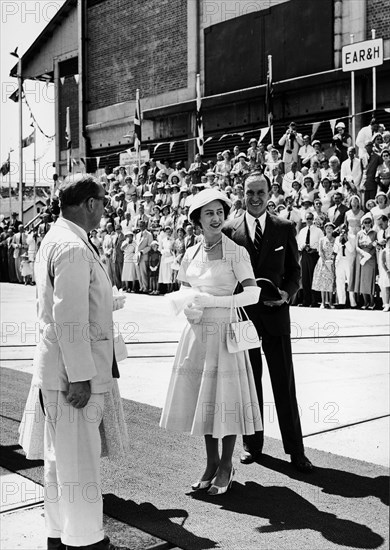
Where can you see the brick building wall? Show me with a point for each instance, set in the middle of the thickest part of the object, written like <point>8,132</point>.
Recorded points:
<point>134,44</point>
<point>378,18</point>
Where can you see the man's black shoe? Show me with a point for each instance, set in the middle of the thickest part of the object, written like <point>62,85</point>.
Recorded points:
<point>248,457</point>
<point>104,544</point>
<point>55,544</point>
<point>301,463</point>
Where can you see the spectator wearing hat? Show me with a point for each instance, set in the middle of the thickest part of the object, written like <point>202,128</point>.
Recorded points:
<point>292,175</point>
<point>364,135</point>
<point>175,191</point>
<point>383,171</point>
<point>19,245</point>
<point>272,162</point>
<point>166,217</point>
<point>365,267</point>
<point>319,155</point>
<point>324,271</point>
<point>117,256</point>
<point>224,167</point>
<point>341,141</point>
<point>351,168</point>
<point>107,249</point>
<point>154,267</point>
<point>148,203</point>
<point>127,223</point>
<point>129,272</point>
<point>167,257</point>
<point>370,164</point>
<point>306,152</point>
<point>184,192</point>
<point>333,171</point>
<point>291,141</point>
<point>240,168</point>
<point>167,199</point>
<point>308,244</point>
<point>197,169</point>
<point>143,240</point>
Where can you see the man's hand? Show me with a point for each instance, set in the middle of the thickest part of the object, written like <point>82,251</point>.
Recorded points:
<point>276,303</point>
<point>79,394</point>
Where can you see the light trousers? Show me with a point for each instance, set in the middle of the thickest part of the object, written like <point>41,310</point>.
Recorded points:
<point>142,273</point>
<point>343,271</point>
<point>72,447</point>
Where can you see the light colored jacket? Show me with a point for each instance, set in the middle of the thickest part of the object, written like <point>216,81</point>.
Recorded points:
<point>74,298</point>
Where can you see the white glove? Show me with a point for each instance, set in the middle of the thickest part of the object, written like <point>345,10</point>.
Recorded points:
<point>181,298</point>
<point>118,299</point>
<point>192,313</point>
<point>249,295</point>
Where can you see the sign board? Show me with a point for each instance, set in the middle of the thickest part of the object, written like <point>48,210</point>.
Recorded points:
<point>362,55</point>
<point>131,157</point>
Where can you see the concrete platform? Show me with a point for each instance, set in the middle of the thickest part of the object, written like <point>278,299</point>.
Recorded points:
<point>341,360</point>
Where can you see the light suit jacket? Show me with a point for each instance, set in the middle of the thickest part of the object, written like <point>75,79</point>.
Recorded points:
<point>74,299</point>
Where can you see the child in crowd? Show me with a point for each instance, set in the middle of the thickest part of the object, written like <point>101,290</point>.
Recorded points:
<point>26,269</point>
<point>154,264</point>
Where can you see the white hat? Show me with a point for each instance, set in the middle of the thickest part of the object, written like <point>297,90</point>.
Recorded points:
<point>340,125</point>
<point>205,197</point>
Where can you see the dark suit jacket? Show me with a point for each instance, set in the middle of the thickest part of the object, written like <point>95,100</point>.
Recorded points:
<point>278,261</point>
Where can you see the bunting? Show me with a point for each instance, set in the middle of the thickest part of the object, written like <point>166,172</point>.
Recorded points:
<point>199,117</point>
<point>28,140</point>
<point>6,166</point>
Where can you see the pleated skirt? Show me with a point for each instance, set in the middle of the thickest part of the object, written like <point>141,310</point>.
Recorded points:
<point>211,391</point>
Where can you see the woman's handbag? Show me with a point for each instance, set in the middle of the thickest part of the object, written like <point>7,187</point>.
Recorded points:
<point>120,348</point>
<point>241,334</point>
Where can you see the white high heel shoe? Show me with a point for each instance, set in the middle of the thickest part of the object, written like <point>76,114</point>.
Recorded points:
<point>215,490</point>
<point>204,484</point>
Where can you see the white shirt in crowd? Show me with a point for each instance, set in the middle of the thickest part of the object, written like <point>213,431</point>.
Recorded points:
<point>315,235</point>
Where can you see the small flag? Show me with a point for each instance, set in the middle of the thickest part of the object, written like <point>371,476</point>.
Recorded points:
<point>5,167</point>
<point>269,97</point>
<point>68,138</point>
<point>28,140</point>
<point>199,116</point>
<point>137,124</point>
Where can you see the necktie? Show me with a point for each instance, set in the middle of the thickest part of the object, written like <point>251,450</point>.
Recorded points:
<point>308,236</point>
<point>93,246</point>
<point>258,235</point>
<point>343,249</point>
<point>351,165</point>
<point>289,214</point>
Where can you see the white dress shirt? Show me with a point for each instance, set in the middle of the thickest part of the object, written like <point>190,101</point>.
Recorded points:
<point>315,235</point>
<point>251,223</point>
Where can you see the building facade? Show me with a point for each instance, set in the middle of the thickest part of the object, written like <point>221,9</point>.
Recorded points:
<point>99,52</point>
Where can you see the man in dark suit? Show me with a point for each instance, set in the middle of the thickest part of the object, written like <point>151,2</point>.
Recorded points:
<point>272,246</point>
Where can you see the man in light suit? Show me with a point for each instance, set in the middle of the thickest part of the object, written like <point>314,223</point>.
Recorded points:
<point>272,246</point>
<point>352,168</point>
<point>74,366</point>
<point>19,244</point>
<point>143,241</point>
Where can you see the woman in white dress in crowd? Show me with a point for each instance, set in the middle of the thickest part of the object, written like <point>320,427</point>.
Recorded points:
<point>207,381</point>
<point>167,257</point>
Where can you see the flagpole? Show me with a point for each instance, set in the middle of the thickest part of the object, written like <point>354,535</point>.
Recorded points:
<point>199,118</point>
<point>35,172</point>
<point>9,183</point>
<point>20,87</point>
<point>139,114</point>
<point>269,84</point>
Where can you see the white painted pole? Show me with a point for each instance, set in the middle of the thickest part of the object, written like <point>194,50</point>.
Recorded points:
<point>270,83</point>
<point>353,121</point>
<point>373,78</point>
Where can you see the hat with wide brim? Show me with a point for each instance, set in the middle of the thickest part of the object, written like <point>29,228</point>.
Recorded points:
<point>205,197</point>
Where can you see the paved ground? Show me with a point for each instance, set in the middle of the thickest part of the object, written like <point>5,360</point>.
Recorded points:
<point>341,365</point>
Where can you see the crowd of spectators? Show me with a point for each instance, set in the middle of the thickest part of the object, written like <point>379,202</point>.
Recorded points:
<point>337,199</point>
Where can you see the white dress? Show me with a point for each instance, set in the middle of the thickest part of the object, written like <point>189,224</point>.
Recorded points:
<point>212,391</point>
